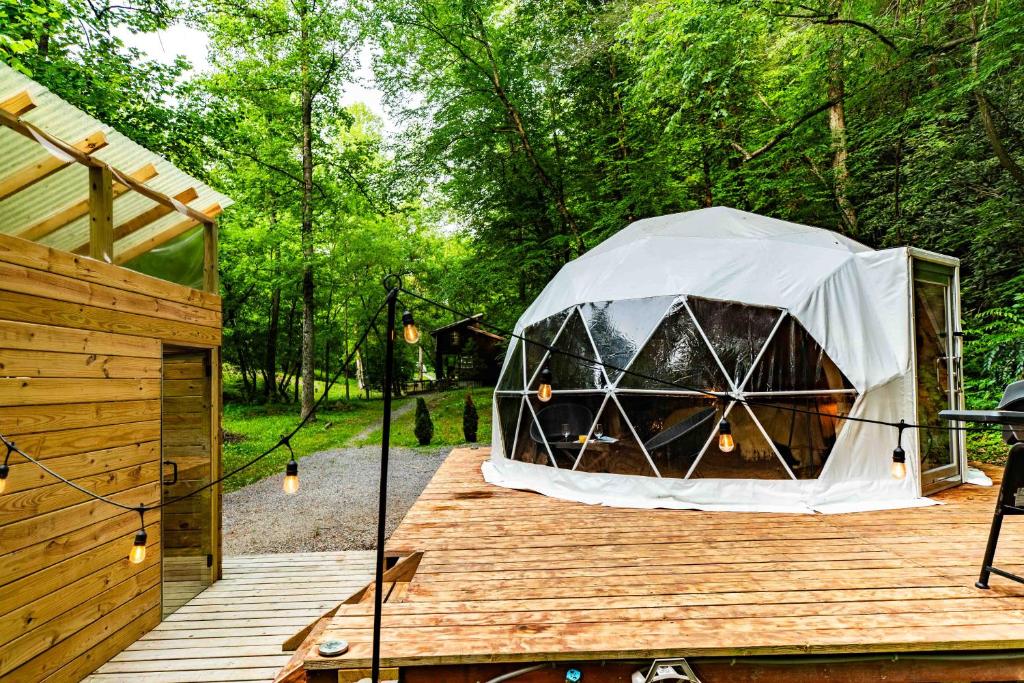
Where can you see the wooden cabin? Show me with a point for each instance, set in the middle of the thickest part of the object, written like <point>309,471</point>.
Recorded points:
<point>466,353</point>
<point>110,333</point>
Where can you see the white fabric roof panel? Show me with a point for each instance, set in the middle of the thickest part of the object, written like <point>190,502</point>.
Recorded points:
<point>70,185</point>
<point>853,301</point>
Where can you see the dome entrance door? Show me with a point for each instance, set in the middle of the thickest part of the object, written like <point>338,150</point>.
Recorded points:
<point>938,369</point>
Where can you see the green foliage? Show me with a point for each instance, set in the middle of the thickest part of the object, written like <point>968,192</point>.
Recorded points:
<point>424,426</point>
<point>470,419</point>
<point>994,352</point>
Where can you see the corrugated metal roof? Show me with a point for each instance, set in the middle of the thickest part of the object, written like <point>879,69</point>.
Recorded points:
<point>70,185</point>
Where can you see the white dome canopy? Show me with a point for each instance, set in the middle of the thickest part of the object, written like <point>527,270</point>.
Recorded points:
<point>779,315</point>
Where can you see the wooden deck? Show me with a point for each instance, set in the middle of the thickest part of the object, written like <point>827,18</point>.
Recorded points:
<point>510,576</point>
<point>233,630</point>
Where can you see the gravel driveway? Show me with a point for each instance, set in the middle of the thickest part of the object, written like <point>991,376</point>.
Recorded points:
<point>335,508</point>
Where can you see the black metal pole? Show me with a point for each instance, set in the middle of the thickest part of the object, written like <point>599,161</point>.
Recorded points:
<point>385,447</point>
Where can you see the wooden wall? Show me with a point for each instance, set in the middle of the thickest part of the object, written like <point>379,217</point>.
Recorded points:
<point>81,350</point>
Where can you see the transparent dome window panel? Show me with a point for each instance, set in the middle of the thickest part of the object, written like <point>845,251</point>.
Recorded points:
<point>539,336</point>
<point>568,371</point>
<point>508,417</point>
<point>793,361</point>
<point>512,379</point>
<point>530,446</point>
<point>804,441</point>
<point>674,430</point>
<point>563,421</point>
<point>753,457</point>
<point>616,450</point>
<point>737,332</point>
<point>620,328</point>
<point>677,354</point>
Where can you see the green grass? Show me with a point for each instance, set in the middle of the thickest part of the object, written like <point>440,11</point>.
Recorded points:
<point>446,413</point>
<point>251,429</point>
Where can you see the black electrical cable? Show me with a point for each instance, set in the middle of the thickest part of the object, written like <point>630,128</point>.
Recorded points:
<point>283,441</point>
<point>721,396</point>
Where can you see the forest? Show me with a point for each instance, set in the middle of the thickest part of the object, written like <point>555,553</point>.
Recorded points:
<point>520,134</point>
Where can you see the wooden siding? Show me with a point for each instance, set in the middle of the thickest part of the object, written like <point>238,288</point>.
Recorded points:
<point>81,352</point>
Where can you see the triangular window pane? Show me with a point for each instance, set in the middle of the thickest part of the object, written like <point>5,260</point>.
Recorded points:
<point>793,361</point>
<point>753,457</point>
<point>543,333</point>
<point>512,379</point>
<point>508,416</point>
<point>674,430</point>
<point>567,369</point>
<point>530,446</point>
<point>737,332</point>
<point>677,354</point>
<point>619,328</point>
<point>612,448</point>
<point>805,441</point>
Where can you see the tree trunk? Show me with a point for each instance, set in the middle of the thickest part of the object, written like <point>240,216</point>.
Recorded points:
<point>344,358</point>
<point>270,359</point>
<point>837,128</point>
<point>308,302</point>
<point>995,141</point>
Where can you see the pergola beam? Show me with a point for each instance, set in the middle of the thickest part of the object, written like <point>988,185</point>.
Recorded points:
<point>166,235</point>
<point>18,103</point>
<point>136,223</point>
<point>34,133</point>
<point>58,219</point>
<point>101,214</point>
<point>33,173</point>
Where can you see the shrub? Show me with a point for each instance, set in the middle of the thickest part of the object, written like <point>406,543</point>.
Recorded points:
<point>424,429</point>
<point>470,419</point>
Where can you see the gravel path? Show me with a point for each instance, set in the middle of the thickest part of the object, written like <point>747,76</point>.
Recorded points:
<point>335,508</point>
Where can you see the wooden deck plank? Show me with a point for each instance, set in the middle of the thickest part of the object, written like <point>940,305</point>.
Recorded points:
<point>234,630</point>
<point>512,576</point>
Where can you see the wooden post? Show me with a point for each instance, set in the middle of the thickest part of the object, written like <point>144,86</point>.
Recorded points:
<point>211,282</point>
<point>101,214</point>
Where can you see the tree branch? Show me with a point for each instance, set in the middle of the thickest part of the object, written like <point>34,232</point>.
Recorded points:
<point>783,134</point>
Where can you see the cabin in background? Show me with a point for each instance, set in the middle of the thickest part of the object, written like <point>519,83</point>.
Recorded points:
<point>110,334</point>
<point>465,354</point>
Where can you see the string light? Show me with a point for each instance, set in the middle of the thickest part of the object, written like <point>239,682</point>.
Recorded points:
<point>5,469</point>
<point>137,555</point>
<point>409,329</point>
<point>898,469</point>
<point>726,443</point>
<point>291,470</point>
<point>544,390</point>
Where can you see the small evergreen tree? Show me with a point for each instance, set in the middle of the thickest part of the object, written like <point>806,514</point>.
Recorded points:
<point>424,429</point>
<point>470,419</point>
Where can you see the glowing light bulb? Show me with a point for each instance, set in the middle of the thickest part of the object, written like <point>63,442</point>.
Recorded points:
<point>291,478</point>
<point>4,471</point>
<point>898,469</point>
<point>544,389</point>
<point>725,441</point>
<point>410,331</point>
<point>138,551</point>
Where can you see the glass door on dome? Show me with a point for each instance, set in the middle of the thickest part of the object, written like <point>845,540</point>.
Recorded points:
<point>937,352</point>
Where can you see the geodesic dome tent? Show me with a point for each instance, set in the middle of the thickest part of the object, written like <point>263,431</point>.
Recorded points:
<point>796,325</point>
